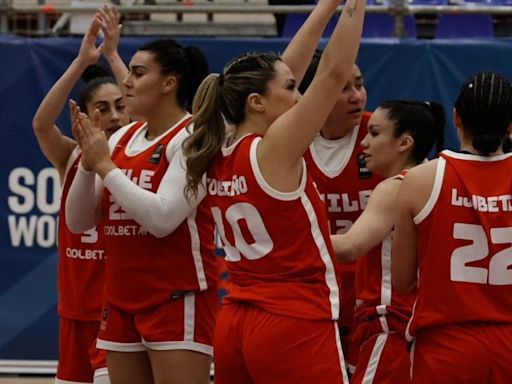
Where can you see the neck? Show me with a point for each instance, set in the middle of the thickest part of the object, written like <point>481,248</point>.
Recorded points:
<point>332,130</point>
<point>159,123</point>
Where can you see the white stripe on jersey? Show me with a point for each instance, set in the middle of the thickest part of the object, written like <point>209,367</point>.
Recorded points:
<point>189,312</point>
<point>373,362</point>
<point>330,275</point>
<point>385,283</point>
<point>195,248</point>
<point>436,190</point>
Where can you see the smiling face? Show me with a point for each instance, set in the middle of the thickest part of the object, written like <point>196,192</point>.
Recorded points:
<point>145,85</point>
<point>381,146</point>
<point>107,98</point>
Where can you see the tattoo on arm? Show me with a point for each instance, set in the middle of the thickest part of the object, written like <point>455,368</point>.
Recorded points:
<point>351,9</point>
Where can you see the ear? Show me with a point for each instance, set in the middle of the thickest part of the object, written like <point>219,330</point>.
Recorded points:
<point>255,102</point>
<point>456,119</point>
<point>457,122</point>
<point>406,142</point>
<point>170,83</point>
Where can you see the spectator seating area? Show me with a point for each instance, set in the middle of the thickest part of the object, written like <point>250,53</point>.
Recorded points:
<point>430,24</point>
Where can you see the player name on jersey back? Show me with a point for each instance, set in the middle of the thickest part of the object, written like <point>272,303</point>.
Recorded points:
<point>482,203</point>
<point>236,186</point>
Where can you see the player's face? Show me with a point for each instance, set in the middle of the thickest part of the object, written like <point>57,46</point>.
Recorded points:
<point>109,101</point>
<point>145,85</point>
<point>380,144</point>
<point>282,93</point>
<point>351,102</point>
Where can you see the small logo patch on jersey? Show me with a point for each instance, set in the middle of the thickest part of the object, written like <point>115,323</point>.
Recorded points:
<point>104,318</point>
<point>364,173</point>
<point>155,157</point>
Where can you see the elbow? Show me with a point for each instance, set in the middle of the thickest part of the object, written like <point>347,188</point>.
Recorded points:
<point>76,227</point>
<point>346,256</point>
<point>403,285</point>
<point>37,124</point>
<point>159,230</point>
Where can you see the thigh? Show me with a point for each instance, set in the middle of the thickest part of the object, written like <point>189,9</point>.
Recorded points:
<point>76,338</point>
<point>118,331</point>
<point>180,367</point>
<point>129,368</point>
<point>280,349</point>
<point>450,354</point>
<point>184,323</point>
<point>383,359</point>
<point>99,364</point>
<point>228,358</point>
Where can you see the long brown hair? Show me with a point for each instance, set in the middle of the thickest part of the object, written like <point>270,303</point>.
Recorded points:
<point>221,99</point>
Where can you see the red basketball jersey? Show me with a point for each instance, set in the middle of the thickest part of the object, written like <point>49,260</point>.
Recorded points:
<point>465,243</point>
<point>81,271</point>
<point>375,297</point>
<point>278,252</point>
<point>345,192</point>
<point>142,270</point>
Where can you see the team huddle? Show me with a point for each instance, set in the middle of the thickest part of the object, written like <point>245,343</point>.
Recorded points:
<point>350,257</point>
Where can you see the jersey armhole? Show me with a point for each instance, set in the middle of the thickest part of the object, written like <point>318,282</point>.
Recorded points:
<point>285,196</point>
<point>434,195</point>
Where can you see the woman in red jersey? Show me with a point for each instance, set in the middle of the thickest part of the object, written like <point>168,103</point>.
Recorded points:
<point>161,273</point>
<point>81,256</point>
<point>453,240</point>
<point>278,320</point>
<point>401,133</point>
<point>335,161</point>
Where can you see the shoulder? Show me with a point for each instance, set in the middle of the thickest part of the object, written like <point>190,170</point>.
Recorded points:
<point>386,191</point>
<point>422,174</point>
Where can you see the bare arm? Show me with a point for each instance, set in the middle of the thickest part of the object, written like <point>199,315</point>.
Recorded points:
<point>404,260</point>
<point>57,147</point>
<point>290,135</point>
<point>372,227</point>
<point>301,48</point>
<point>413,196</point>
<point>109,19</point>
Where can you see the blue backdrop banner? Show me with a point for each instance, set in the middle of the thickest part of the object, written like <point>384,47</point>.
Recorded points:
<point>30,191</point>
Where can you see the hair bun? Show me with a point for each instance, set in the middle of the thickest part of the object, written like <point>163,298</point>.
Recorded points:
<point>95,71</point>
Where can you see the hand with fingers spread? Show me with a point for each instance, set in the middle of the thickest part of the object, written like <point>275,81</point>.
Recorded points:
<point>90,52</point>
<point>108,17</point>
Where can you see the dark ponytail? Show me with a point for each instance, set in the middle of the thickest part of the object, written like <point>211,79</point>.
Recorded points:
<point>188,64</point>
<point>424,121</point>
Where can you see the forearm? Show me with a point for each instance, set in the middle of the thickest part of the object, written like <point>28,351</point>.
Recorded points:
<point>56,99</point>
<point>159,213</point>
<point>118,68</point>
<point>342,249</point>
<point>341,52</point>
<point>301,48</point>
<point>81,202</point>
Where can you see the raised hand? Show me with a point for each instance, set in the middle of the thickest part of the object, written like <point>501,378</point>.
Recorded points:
<point>90,52</point>
<point>108,18</point>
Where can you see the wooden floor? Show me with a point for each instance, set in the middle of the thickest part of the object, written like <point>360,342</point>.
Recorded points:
<point>26,379</point>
